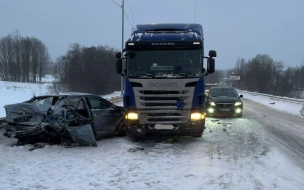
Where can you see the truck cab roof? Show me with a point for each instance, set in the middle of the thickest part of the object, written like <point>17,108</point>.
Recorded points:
<point>168,32</point>
<point>143,28</point>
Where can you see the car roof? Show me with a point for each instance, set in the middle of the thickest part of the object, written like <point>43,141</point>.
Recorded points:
<point>68,94</point>
<point>225,87</point>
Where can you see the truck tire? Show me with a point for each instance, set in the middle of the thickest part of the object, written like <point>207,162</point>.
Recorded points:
<point>121,132</point>
<point>137,138</point>
<point>134,134</point>
<point>199,131</point>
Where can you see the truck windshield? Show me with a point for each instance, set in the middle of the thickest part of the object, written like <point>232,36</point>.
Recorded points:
<point>164,63</point>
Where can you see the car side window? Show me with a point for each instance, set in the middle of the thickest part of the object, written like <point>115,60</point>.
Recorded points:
<point>98,103</point>
<point>61,102</point>
<point>76,102</point>
<point>46,101</point>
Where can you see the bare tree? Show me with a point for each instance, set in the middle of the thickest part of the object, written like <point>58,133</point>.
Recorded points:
<point>26,48</point>
<point>22,59</point>
<point>88,69</point>
<point>265,75</point>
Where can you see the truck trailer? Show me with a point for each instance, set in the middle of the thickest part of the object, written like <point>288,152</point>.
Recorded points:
<point>164,80</point>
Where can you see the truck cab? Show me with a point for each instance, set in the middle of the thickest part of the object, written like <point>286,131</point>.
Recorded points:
<point>164,86</point>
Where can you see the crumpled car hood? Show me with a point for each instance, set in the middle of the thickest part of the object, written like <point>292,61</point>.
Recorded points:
<point>31,122</point>
<point>23,112</point>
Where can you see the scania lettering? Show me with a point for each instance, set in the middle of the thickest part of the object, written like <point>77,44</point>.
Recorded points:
<point>164,80</point>
<point>157,84</point>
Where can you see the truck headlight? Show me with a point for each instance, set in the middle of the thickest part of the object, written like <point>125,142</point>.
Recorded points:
<point>132,116</point>
<point>238,103</point>
<point>197,116</point>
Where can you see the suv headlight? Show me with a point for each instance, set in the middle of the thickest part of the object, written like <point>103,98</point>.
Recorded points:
<point>212,103</point>
<point>238,103</point>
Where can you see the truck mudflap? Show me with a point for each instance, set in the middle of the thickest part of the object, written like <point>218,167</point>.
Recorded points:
<point>139,132</point>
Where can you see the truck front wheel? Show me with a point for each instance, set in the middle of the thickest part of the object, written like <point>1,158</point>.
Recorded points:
<point>136,132</point>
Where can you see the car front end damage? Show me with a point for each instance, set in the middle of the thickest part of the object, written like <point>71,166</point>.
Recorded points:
<point>31,123</point>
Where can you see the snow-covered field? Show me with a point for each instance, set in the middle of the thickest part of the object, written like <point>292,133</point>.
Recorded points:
<point>232,154</point>
<point>15,92</point>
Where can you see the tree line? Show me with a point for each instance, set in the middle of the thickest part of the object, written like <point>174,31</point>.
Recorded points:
<point>22,59</point>
<point>87,69</point>
<point>265,75</point>
<point>81,69</point>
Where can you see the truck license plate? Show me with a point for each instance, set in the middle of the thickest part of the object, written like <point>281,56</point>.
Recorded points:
<point>160,126</point>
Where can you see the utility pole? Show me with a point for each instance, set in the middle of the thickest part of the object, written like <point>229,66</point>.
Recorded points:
<point>122,42</point>
<point>122,6</point>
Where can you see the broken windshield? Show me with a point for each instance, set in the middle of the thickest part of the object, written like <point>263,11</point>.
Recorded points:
<point>164,63</point>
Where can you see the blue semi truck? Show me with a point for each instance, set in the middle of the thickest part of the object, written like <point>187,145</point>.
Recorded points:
<point>164,80</point>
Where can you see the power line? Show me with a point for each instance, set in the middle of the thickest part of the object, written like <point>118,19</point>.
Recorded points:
<point>132,14</point>
<point>121,6</point>
<point>117,4</point>
<point>128,19</point>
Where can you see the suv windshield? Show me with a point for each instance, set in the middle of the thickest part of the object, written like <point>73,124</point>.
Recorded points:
<point>164,63</point>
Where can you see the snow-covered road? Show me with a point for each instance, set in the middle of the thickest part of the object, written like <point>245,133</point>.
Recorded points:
<point>261,150</point>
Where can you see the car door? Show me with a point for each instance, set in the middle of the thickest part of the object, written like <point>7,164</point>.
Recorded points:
<point>105,116</point>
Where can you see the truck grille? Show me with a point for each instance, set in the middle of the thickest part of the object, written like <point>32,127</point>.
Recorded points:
<point>162,105</point>
<point>162,99</point>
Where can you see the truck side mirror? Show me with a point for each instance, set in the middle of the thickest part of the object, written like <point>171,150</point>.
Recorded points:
<point>118,66</point>
<point>211,65</point>
<point>118,55</point>
<point>212,53</point>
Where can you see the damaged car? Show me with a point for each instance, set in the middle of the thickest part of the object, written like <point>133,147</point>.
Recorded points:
<point>74,119</point>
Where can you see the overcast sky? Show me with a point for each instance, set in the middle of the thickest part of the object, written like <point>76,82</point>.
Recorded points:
<point>234,28</point>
